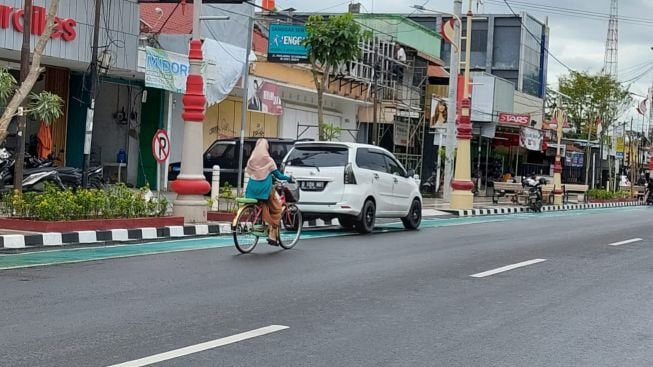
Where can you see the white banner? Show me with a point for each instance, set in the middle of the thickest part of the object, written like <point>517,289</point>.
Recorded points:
<point>401,132</point>
<point>531,138</point>
<point>169,70</point>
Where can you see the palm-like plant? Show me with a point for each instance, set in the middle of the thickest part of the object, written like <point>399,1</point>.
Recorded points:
<point>45,106</point>
<point>7,85</point>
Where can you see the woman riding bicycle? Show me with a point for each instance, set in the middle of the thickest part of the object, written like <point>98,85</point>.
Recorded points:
<point>261,168</point>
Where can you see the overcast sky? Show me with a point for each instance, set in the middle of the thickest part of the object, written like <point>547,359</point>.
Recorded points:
<point>579,42</point>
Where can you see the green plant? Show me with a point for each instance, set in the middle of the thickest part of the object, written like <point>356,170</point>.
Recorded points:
<point>45,106</point>
<point>330,43</point>
<point>7,85</point>
<point>331,132</point>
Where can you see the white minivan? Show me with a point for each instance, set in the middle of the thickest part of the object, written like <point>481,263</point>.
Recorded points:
<point>355,183</point>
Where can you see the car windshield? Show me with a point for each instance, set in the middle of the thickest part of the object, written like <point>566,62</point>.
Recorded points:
<point>319,156</point>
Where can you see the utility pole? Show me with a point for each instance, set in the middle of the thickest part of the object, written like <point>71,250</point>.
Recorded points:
<point>454,70</point>
<point>22,120</point>
<point>375,113</point>
<point>90,112</point>
<point>243,117</point>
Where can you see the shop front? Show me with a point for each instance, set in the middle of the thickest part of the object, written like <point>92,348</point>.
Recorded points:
<point>65,69</point>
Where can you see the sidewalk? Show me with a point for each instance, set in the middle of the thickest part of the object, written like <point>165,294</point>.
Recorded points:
<point>483,205</point>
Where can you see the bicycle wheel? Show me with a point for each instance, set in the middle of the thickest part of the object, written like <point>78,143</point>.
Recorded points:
<point>245,238</point>
<point>291,226</point>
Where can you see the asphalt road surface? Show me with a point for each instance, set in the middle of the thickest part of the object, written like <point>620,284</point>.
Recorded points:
<point>555,290</point>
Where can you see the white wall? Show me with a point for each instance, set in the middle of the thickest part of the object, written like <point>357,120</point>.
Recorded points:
<point>527,104</point>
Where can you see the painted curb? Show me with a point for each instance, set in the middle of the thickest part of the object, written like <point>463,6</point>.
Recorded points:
<point>546,208</point>
<point>100,237</point>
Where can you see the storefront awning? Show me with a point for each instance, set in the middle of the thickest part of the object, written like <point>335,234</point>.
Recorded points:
<point>436,71</point>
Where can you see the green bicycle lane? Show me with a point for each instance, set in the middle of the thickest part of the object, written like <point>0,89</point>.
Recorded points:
<point>84,254</point>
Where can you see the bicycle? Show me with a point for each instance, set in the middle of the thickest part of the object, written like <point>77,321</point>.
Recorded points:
<point>248,225</point>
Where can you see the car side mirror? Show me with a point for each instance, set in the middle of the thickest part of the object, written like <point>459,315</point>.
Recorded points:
<point>410,173</point>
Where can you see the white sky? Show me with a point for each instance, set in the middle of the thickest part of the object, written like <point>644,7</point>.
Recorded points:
<point>579,42</point>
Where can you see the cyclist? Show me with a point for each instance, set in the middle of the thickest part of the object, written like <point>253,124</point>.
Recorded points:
<point>261,168</point>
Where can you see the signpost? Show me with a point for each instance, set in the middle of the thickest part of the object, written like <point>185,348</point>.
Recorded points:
<point>160,151</point>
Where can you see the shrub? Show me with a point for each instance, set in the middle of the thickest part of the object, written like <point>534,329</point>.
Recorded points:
<point>54,204</point>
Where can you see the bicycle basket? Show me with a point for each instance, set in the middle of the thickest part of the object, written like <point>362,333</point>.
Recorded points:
<point>291,190</point>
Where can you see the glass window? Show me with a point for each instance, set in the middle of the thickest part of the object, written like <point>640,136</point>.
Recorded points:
<point>319,156</point>
<point>223,154</point>
<point>395,167</point>
<point>372,160</point>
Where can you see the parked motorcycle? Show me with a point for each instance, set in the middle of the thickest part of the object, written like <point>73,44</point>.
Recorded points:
<point>534,187</point>
<point>648,196</point>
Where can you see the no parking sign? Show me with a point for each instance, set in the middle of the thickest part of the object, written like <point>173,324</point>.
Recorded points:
<point>161,145</point>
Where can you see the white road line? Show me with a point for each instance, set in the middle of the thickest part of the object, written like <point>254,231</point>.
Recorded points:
<point>506,268</point>
<point>201,347</point>
<point>625,242</point>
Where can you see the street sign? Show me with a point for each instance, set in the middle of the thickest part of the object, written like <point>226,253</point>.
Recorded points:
<point>161,146</point>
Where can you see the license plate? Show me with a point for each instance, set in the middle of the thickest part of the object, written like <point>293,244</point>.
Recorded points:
<point>312,185</point>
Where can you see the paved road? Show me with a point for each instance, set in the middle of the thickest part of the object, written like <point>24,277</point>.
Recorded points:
<point>393,299</point>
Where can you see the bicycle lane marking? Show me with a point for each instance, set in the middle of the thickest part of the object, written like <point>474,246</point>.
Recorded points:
<point>191,349</point>
<point>85,254</point>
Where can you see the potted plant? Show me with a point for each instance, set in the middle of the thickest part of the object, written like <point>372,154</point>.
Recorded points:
<point>45,107</point>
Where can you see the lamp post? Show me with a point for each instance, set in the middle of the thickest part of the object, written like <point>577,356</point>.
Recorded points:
<point>191,184</point>
<point>454,70</point>
<point>462,197</point>
<point>560,118</point>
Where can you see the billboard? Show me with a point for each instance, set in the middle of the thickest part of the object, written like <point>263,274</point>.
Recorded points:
<point>264,97</point>
<point>439,111</point>
<point>285,44</point>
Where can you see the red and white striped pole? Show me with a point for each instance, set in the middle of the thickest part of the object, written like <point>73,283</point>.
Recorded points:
<point>191,185</point>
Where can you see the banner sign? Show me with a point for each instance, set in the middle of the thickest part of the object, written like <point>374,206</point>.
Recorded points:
<point>514,119</point>
<point>620,147</point>
<point>401,132</point>
<point>439,110</point>
<point>264,97</point>
<point>531,138</point>
<point>166,70</point>
<point>285,44</point>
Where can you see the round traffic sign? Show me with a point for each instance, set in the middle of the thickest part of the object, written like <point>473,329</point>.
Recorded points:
<point>161,146</point>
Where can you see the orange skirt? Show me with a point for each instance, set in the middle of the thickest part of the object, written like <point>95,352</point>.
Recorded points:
<point>272,210</point>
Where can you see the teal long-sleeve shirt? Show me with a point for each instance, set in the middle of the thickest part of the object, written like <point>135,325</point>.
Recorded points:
<point>260,189</point>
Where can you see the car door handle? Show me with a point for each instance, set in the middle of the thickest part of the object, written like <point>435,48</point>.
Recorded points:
<point>376,176</point>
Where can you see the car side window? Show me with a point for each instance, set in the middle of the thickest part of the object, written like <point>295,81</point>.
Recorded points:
<point>395,167</point>
<point>217,150</point>
<point>222,154</point>
<point>372,160</point>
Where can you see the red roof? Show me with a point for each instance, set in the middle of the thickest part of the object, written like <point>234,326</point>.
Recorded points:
<point>437,71</point>
<point>259,41</point>
<point>180,22</point>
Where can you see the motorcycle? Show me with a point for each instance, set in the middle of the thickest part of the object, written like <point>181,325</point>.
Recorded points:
<point>534,186</point>
<point>429,185</point>
<point>648,197</point>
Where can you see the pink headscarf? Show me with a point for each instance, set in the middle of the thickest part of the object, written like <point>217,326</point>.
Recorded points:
<point>260,164</point>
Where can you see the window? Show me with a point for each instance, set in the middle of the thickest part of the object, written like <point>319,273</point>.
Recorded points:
<point>394,167</point>
<point>372,160</point>
<point>223,154</point>
<point>319,156</point>
<point>219,150</point>
<point>279,150</point>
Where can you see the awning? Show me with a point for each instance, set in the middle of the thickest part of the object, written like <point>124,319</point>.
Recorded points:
<point>436,71</point>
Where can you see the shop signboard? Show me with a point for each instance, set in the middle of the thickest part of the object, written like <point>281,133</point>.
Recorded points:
<point>620,147</point>
<point>285,44</point>
<point>514,118</point>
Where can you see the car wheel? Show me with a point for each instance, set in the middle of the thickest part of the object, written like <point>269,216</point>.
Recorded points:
<point>367,218</point>
<point>347,222</point>
<point>414,217</point>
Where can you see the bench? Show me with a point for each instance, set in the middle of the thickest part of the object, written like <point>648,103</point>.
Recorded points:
<point>548,194</point>
<point>510,190</point>
<point>638,191</point>
<point>579,191</point>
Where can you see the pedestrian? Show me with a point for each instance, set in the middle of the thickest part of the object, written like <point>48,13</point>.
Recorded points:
<point>261,168</point>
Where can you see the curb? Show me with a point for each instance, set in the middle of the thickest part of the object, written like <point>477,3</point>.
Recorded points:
<point>19,241</point>
<point>546,208</point>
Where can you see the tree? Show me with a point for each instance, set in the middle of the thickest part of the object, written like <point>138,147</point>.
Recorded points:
<point>330,43</point>
<point>593,97</point>
<point>23,91</point>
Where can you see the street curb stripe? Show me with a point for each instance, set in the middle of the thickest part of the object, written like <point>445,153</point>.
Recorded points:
<point>546,208</point>
<point>99,237</point>
<point>625,242</point>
